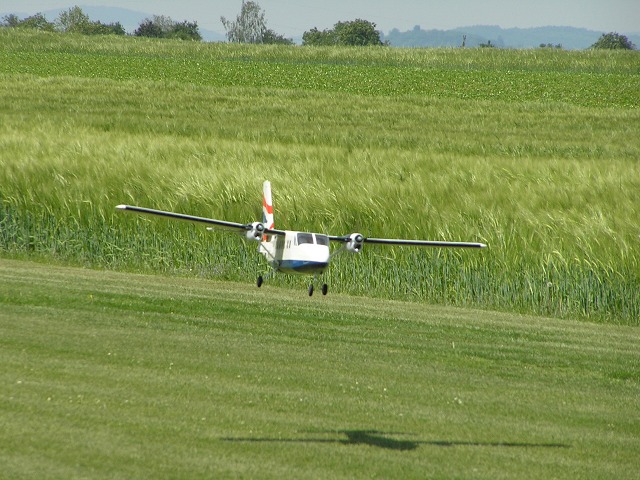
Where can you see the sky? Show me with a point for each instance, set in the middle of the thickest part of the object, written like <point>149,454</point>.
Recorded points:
<point>293,17</point>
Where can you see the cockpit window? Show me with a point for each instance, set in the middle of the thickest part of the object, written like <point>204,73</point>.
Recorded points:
<point>305,238</point>
<point>322,239</point>
<point>309,238</point>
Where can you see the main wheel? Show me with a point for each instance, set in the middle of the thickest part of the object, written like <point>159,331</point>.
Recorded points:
<point>325,289</point>
<point>260,280</point>
<point>311,289</point>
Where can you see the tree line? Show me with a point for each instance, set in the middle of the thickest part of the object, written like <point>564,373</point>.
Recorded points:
<point>248,27</point>
<point>75,20</point>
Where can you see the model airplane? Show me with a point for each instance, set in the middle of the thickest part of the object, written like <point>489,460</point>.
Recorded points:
<point>291,251</point>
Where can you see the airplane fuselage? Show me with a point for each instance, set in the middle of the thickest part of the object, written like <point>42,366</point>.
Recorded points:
<point>297,252</point>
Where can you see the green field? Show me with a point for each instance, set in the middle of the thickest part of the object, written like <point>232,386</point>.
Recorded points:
<point>111,375</point>
<point>533,152</point>
<point>140,348</point>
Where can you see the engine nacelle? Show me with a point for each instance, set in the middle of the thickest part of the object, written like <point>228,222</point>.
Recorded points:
<point>256,232</point>
<point>355,243</point>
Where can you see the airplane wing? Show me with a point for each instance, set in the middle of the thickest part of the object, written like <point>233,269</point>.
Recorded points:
<point>355,241</point>
<point>222,224</point>
<point>424,243</point>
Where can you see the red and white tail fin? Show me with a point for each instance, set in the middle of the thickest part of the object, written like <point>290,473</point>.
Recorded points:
<point>267,207</point>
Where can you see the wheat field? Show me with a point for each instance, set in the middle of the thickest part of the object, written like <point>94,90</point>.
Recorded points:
<point>533,152</point>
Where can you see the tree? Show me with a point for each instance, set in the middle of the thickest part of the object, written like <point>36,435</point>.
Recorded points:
<point>99,28</point>
<point>185,31</point>
<point>272,37</point>
<point>319,38</point>
<point>357,32</point>
<point>148,29</point>
<point>73,20</point>
<point>11,20</point>
<point>36,22</point>
<point>613,41</point>
<point>161,26</point>
<point>249,26</point>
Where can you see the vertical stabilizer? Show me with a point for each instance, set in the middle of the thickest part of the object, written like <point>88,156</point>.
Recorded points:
<point>267,207</point>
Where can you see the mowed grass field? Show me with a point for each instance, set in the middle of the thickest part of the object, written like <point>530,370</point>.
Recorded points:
<point>113,375</point>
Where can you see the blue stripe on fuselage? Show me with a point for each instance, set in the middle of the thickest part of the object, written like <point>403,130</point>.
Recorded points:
<point>301,266</point>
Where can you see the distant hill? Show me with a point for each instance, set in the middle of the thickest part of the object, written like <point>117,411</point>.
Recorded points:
<point>569,38</point>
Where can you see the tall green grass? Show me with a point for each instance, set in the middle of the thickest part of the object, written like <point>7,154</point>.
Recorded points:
<point>548,178</point>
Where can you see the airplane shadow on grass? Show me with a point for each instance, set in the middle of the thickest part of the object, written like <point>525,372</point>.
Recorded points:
<point>374,438</point>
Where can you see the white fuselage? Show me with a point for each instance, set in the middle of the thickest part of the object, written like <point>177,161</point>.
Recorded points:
<point>297,252</point>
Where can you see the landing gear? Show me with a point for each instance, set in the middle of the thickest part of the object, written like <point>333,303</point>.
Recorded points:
<point>325,289</point>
